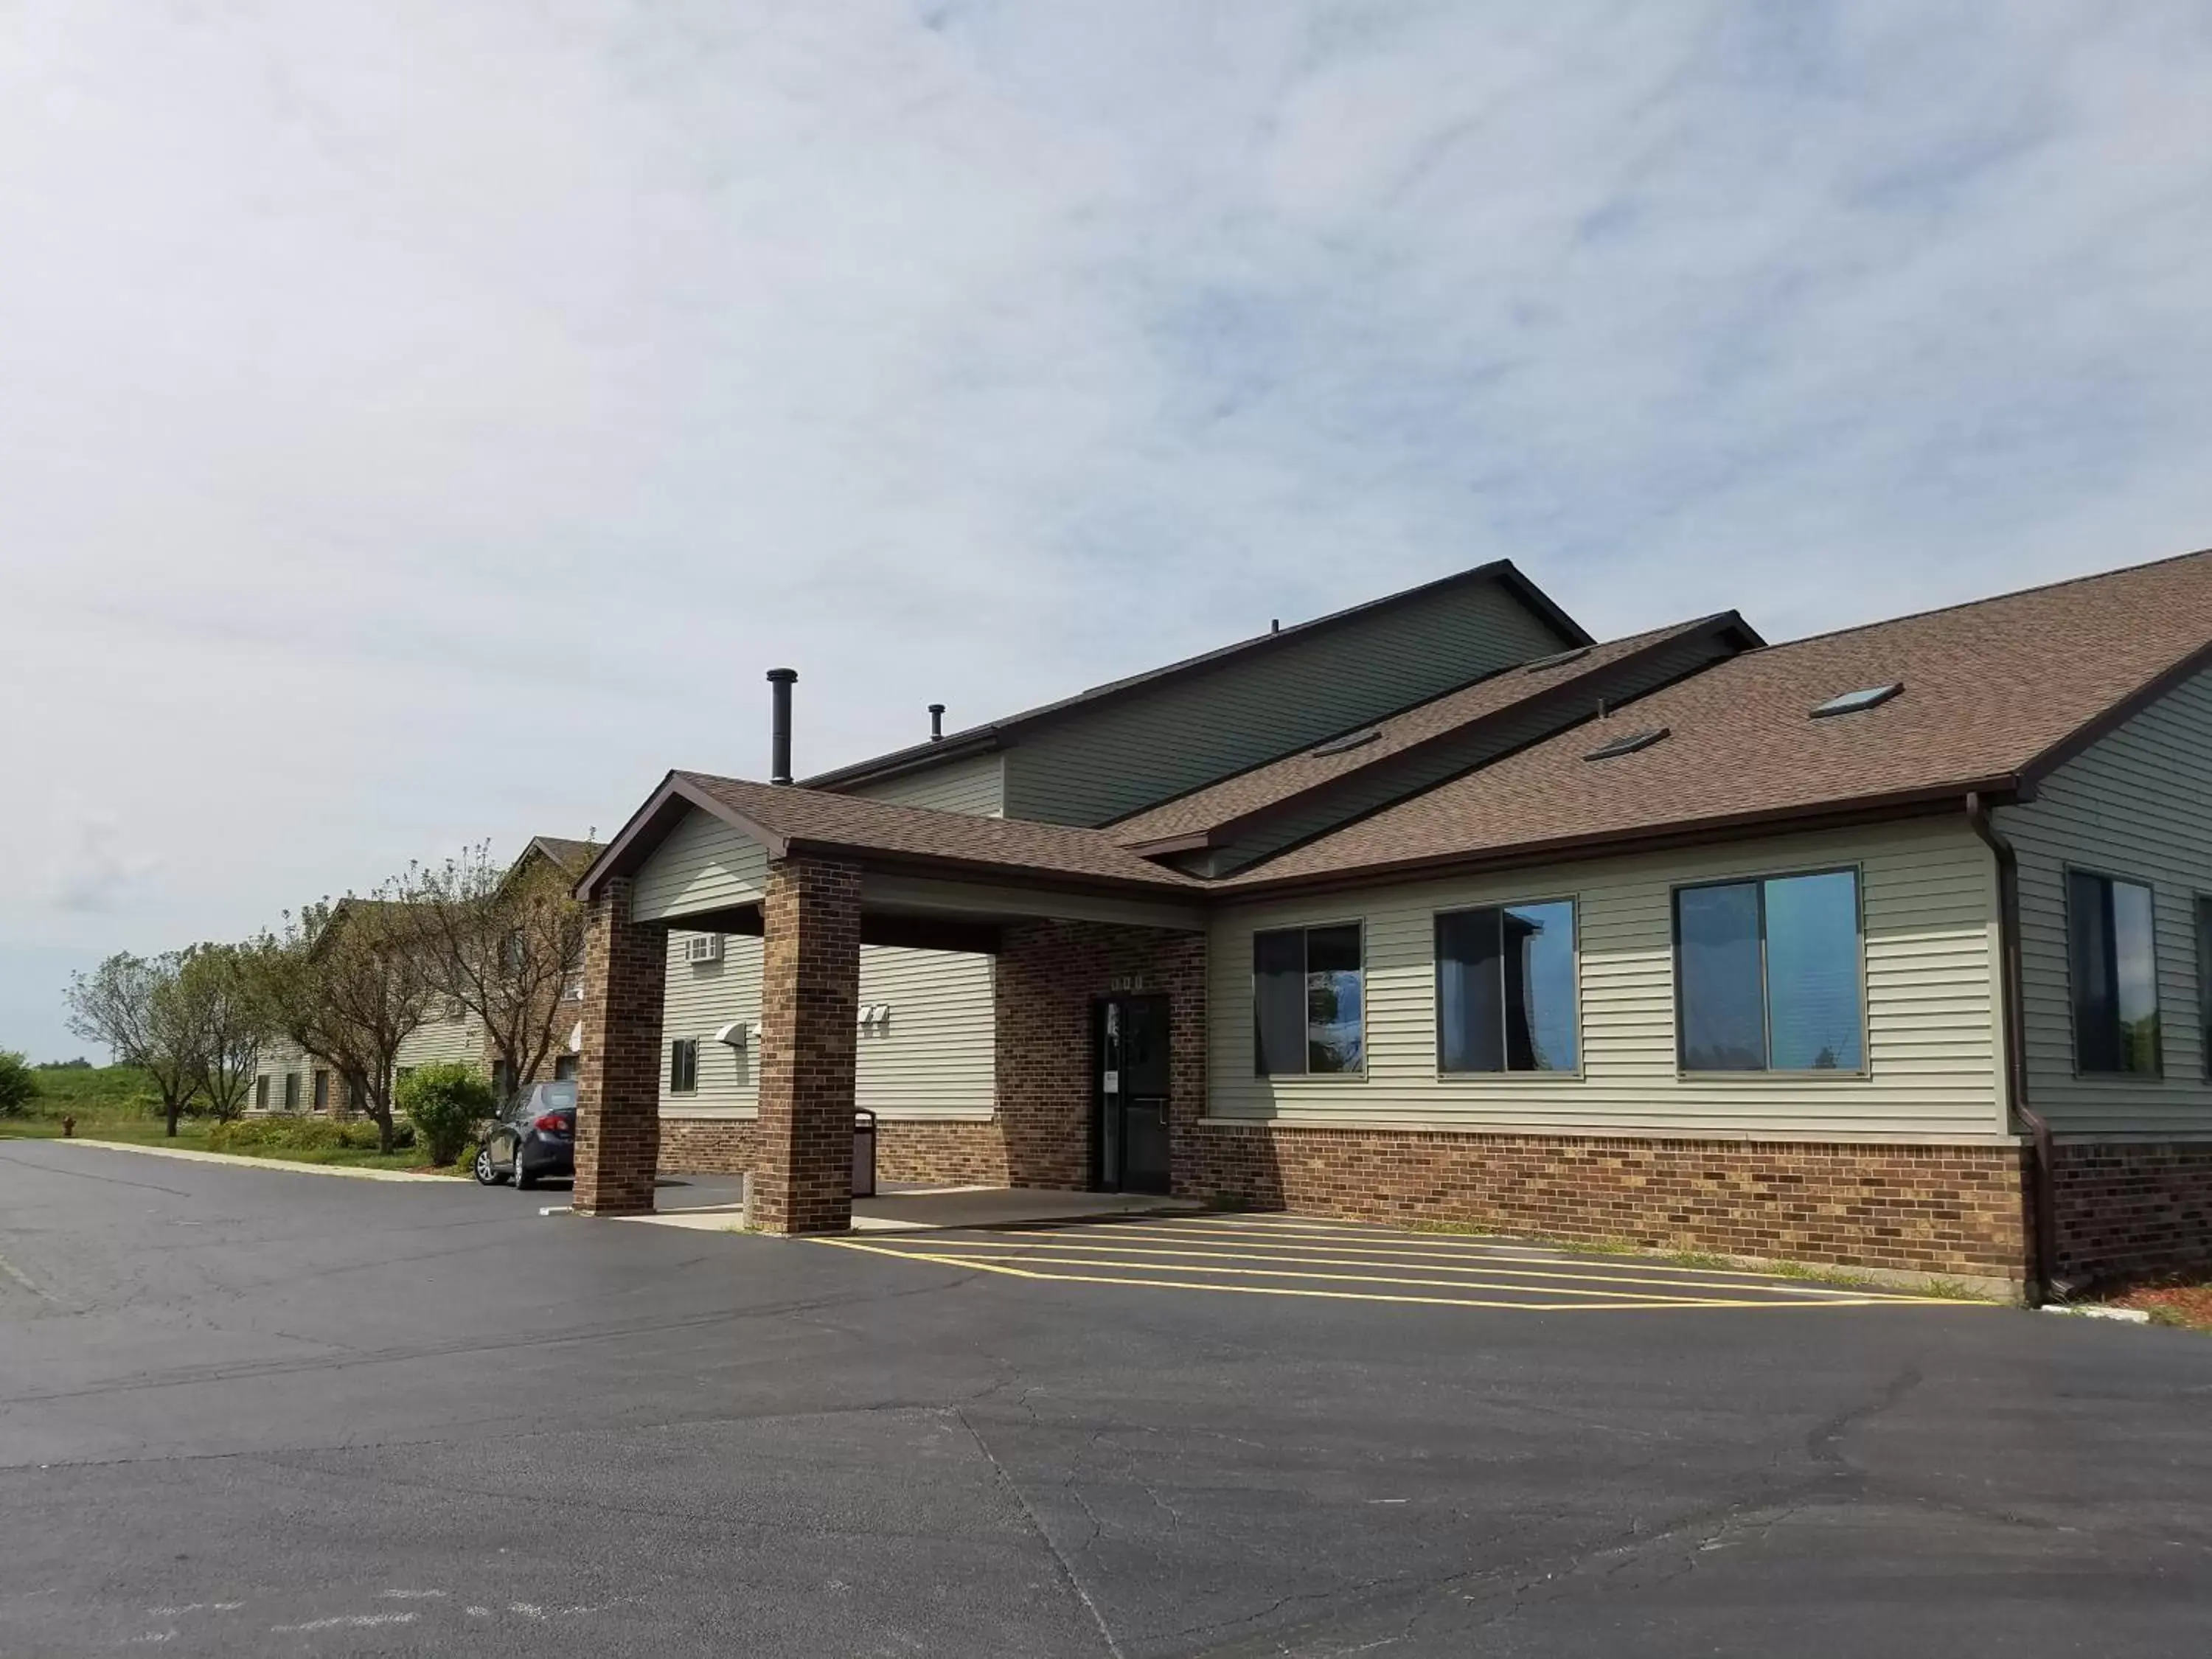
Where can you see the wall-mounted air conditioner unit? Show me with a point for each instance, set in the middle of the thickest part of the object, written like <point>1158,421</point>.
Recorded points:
<point>703,947</point>
<point>736,1033</point>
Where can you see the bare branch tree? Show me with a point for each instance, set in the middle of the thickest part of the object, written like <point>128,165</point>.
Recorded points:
<point>350,981</point>
<point>132,1004</point>
<point>218,1001</point>
<point>507,943</point>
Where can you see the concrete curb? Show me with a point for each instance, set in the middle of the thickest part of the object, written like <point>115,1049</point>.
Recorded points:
<point>188,1155</point>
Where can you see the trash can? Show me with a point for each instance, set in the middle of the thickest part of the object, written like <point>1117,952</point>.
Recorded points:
<point>864,1153</point>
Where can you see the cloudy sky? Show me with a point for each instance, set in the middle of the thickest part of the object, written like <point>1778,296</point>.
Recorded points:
<point>422,422</point>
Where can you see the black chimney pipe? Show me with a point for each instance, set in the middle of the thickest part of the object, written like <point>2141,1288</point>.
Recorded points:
<point>937,722</point>
<point>779,732</point>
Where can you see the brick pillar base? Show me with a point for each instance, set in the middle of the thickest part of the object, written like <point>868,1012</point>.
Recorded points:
<point>802,1181</point>
<point>619,1083</point>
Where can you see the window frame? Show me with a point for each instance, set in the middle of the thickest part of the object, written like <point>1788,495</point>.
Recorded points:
<point>2156,1076</point>
<point>1579,1073</point>
<point>291,1091</point>
<point>676,1045</point>
<point>261,1092</point>
<point>1759,879</point>
<point>1303,928</point>
<point>318,1090</point>
<point>2200,916</point>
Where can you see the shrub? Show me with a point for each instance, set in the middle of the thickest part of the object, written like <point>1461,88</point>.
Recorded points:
<point>445,1102</point>
<point>301,1136</point>
<point>17,1086</point>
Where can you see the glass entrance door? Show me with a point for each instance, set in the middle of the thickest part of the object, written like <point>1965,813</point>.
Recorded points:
<point>1134,1153</point>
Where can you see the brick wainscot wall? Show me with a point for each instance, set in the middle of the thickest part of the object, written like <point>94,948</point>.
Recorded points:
<point>1927,1209</point>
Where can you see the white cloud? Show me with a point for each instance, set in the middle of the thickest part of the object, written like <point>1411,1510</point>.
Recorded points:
<point>427,421</point>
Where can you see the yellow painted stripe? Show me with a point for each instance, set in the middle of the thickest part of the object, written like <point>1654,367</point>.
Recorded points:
<point>1226,1252</point>
<point>1444,1251</point>
<point>951,1252</point>
<point>1441,1248</point>
<point>1011,1272</point>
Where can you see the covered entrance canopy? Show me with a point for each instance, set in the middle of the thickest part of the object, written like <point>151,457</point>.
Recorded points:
<point>1069,917</point>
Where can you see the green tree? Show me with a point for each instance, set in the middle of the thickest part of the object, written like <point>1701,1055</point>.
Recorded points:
<point>18,1086</point>
<point>348,981</point>
<point>131,1005</point>
<point>217,1000</point>
<point>507,944</point>
<point>445,1100</point>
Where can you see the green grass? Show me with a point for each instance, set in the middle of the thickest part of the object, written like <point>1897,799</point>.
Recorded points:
<point>108,1091</point>
<point>192,1136</point>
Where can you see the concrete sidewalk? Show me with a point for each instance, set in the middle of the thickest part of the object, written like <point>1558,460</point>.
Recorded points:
<point>716,1204</point>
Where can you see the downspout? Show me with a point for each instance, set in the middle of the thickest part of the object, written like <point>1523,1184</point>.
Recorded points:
<point>2009,950</point>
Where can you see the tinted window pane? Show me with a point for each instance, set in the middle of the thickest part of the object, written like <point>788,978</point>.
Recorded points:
<point>1813,972</point>
<point>1335,1003</point>
<point>1278,1004</point>
<point>1540,986</point>
<point>1724,1019</point>
<point>2134,956</point>
<point>2204,980</point>
<point>1470,994</point>
<point>2089,949</point>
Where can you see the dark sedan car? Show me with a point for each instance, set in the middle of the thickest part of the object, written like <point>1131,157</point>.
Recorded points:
<point>535,1139</point>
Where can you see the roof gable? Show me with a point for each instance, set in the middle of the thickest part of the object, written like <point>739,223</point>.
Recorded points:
<point>1547,617</point>
<point>1995,694</point>
<point>1566,688</point>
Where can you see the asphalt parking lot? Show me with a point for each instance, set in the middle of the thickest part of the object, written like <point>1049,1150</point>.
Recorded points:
<point>1344,1261</point>
<point>244,1411</point>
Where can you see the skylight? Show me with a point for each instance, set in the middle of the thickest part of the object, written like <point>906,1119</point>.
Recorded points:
<point>1560,659</point>
<point>1629,745</point>
<point>1349,740</point>
<point>1852,702</point>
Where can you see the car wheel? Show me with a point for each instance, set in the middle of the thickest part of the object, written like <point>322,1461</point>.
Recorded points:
<point>487,1173</point>
<point>523,1179</point>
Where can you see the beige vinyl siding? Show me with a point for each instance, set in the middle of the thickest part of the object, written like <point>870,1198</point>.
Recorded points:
<point>976,785</point>
<point>1928,894</point>
<point>702,864</point>
<point>445,1038</point>
<point>701,998</point>
<point>2137,804</point>
<point>935,1059</point>
<point>1098,764</point>
<point>1378,786</point>
<point>278,1056</point>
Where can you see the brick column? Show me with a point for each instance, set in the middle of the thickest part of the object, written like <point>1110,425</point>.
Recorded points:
<point>802,1178</point>
<point>618,1082</point>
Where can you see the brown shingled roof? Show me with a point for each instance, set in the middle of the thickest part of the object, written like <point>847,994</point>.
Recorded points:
<point>571,857</point>
<point>1218,809</point>
<point>786,817</point>
<point>1995,694</point>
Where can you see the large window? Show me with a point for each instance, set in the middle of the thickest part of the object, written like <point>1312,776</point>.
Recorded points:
<point>2204,980</point>
<point>1767,974</point>
<point>2111,945</point>
<point>1506,989</point>
<point>322,1090</point>
<point>261,1092</point>
<point>1309,1001</point>
<point>291,1091</point>
<point>683,1066</point>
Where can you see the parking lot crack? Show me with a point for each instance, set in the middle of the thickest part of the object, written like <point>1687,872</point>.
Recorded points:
<point>1065,1566</point>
